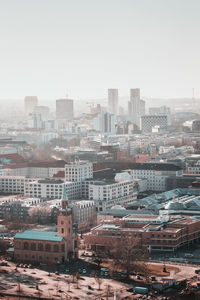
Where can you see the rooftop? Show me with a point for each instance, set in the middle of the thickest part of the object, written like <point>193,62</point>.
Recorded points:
<point>50,236</point>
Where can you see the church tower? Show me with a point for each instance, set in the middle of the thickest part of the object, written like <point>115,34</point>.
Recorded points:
<point>64,222</point>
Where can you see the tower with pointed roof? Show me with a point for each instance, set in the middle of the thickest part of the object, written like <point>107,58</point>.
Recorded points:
<point>64,222</point>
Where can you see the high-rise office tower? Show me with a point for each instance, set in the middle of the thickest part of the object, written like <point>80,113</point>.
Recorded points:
<point>30,102</point>
<point>105,123</point>
<point>162,110</point>
<point>136,106</point>
<point>142,107</point>
<point>43,111</point>
<point>65,109</point>
<point>113,101</point>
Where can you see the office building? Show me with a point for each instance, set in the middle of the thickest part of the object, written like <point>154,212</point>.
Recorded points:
<point>161,110</point>
<point>136,106</point>
<point>155,174</point>
<point>113,101</point>
<point>155,233</point>
<point>104,123</point>
<point>149,121</point>
<point>42,111</point>
<point>30,102</point>
<point>65,109</point>
<point>78,171</point>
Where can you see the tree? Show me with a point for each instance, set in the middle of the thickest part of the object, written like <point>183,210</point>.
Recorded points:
<point>99,282</point>
<point>129,255</point>
<point>77,280</point>
<point>40,214</point>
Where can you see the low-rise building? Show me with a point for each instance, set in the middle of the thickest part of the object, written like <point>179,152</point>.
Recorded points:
<point>155,233</point>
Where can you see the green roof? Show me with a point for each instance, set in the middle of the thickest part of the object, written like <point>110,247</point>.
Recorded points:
<point>50,236</point>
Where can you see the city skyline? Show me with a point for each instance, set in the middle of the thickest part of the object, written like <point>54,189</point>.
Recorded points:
<point>51,48</point>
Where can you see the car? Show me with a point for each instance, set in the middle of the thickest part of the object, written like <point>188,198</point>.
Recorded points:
<point>67,270</point>
<point>106,274</point>
<point>189,255</point>
<point>84,271</point>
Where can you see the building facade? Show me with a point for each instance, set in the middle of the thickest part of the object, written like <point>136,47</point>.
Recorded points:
<point>113,101</point>
<point>47,247</point>
<point>149,121</point>
<point>65,109</point>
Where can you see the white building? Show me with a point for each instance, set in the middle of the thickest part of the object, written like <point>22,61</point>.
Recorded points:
<point>136,106</point>
<point>44,188</point>
<point>13,184</point>
<point>109,193</point>
<point>156,174</point>
<point>83,211</point>
<point>104,123</point>
<point>113,101</point>
<point>78,171</point>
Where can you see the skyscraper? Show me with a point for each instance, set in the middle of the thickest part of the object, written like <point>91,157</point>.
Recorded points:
<point>113,101</point>
<point>105,123</point>
<point>30,102</point>
<point>136,106</point>
<point>65,109</point>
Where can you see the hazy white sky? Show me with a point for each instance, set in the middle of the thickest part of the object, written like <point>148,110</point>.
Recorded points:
<point>51,47</point>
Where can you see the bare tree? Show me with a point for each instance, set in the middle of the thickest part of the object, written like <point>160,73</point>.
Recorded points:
<point>129,255</point>
<point>77,280</point>
<point>99,282</point>
<point>40,214</point>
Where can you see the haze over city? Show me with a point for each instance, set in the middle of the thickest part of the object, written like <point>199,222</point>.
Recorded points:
<point>52,48</point>
<point>99,149</point>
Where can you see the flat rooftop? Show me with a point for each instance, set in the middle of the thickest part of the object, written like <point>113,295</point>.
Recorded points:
<point>49,236</point>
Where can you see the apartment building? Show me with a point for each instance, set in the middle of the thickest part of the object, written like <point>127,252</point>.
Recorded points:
<point>156,174</point>
<point>83,211</point>
<point>13,184</point>
<point>78,171</point>
<point>44,188</point>
<point>38,169</point>
<point>109,193</point>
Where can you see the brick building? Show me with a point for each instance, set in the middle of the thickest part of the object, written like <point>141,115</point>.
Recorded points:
<point>156,233</point>
<point>46,246</point>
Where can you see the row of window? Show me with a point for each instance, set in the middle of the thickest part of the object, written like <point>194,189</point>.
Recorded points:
<point>41,247</point>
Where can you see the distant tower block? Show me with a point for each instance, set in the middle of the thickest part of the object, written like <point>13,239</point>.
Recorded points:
<point>113,101</point>
<point>30,102</point>
<point>65,109</point>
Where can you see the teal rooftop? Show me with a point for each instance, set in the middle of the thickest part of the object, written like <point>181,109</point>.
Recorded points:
<point>50,236</point>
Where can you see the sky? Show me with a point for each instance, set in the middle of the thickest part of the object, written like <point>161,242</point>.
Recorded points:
<point>51,48</point>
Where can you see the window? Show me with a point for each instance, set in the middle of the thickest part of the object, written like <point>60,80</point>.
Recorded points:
<point>26,246</point>
<point>55,248</point>
<point>40,247</point>
<point>33,246</point>
<point>48,248</point>
<point>62,230</point>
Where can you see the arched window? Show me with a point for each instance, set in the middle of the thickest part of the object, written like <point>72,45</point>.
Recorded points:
<point>33,246</point>
<point>40,247</point>
<point>55,248</point>
<point>26,246</point>
<point>48,248</point>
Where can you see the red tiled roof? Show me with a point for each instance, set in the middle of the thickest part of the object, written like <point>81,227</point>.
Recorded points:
<point>14,157</point>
